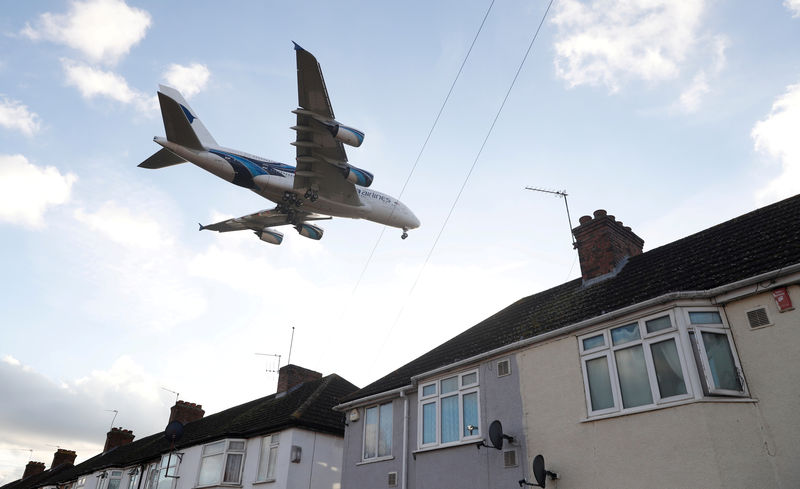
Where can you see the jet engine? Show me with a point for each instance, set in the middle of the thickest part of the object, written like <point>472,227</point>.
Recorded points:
<point>309,230</point>
<point>357,176</point>
<point>270,236</point>
<point>348,135</point>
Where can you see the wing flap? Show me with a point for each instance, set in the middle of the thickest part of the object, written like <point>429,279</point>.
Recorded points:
<point>260,220</point>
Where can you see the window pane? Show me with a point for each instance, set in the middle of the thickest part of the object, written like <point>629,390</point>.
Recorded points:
<point>113,483</point>
<point>593,342</point>
<point>668,369</point>
<point>211,449</point>
<point>429,423</point>
<point>449,385</point>
<point>599,384</point>
<point>469,379</point>
<point>657,324</point>
<point>470,402</point>
<point>210,469</point>
<point>705,317</point>
<point>720,360</point>
<point>429,390</point>
<point>236,445</point>
<point>371,433</point>
<point>233,468</point>
<point>449,418</point>
<point>273,455</point>
<point>633,381</point>
<point>624,334</point>
<point>275,438</point>
<point>385,435</point>
<point>263,459</point>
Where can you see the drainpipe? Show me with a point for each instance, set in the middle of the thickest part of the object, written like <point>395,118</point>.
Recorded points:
<point>404,472</point>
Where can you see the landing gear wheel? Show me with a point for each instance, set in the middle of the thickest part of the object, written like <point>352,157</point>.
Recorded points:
<point>308,194</point>
<point>314,196</point>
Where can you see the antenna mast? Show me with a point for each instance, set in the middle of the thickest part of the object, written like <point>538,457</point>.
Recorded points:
<point>115,415</point>
<point>291,342</point>
<point>562,194</point>
<point>177,396</point>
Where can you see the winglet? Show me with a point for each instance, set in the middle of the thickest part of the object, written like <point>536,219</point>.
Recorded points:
<point>297,47</point>
<point>201,226</point>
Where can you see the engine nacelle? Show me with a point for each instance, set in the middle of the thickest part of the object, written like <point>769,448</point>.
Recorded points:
<point>270,236</point>
<point>348,135</point>
<point>309,230</point>
<point>357,176</point>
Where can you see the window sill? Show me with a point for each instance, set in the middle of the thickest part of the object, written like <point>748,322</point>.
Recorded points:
<point>473,441</point>
<point>268,481</point>
<point>658,407</point>
<point>209,486</point>
<point>375,460</point>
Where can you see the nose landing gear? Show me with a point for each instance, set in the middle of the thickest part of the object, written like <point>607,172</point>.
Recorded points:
<point>405,233</point>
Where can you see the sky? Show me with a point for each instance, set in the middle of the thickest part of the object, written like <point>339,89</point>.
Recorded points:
<point>672,116</point>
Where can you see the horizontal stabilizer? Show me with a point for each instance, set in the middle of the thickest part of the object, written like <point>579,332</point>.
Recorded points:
<point>161,159</point>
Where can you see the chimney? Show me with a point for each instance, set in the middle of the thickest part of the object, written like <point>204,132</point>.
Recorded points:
<point>292,375</point>
<point>63,457</point>
<point>186,412</point>
<point>33,468</point>
<point>117,437</point>
<point>604,244</point>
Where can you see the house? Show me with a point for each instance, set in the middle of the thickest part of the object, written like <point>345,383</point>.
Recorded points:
<point>290,439</point>
<point>675,367</point>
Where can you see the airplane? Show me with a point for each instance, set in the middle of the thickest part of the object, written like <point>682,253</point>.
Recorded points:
<point>322,185</point>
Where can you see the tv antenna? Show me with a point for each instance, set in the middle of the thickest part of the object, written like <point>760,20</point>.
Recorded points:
<point>177,395</point>
<point>291,342</point>
<point>267,369</point>
<point>114,418</point>
<point>562,194</point>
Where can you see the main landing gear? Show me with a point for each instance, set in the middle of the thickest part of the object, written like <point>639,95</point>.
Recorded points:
<point>405,233</point>
<point>312,195</point>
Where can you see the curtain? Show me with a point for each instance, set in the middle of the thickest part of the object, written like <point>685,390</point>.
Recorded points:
<point>599,383</point>
<point>371,433</point>
<point>470,402</point>
<point>449,406</point>
<point>429,423</point>
<point>633,381</point>
<point>385,433</point>
<point>233,468</point>
<point>668,368</point>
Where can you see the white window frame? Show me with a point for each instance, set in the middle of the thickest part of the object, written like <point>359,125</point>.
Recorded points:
<point>273,442</point>
<point>80,482</point>
<point>646,339</point>
<point>377,456</point>
<point>704,367</point>
<point>226,452</point>
<point>134,474</point>
<point>435,398</point>
<point>169,471</point>
<point>151,472</point>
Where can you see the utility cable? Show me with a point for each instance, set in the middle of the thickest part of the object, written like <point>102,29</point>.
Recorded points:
<point>472,168</point>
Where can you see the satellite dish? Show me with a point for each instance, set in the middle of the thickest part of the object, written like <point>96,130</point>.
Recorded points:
<point>496,434</point>
<point>539,472</point>
<point>174,431</point>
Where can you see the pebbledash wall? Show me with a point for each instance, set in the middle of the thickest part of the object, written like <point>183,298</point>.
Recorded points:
<point>709,442</point>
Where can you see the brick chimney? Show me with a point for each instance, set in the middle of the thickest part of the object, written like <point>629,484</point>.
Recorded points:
<point>118,437</point>
<point>186,412</point>
<point>63,457</point>
<point>292,375</point>
<point>33,468</point>
<point>604,244</point>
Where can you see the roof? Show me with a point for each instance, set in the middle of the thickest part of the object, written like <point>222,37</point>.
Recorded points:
<point>308,405</point>
<point>761,241</point>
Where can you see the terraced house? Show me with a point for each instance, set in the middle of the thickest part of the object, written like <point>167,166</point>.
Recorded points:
<point>291,439</point>
<point>675,367</point>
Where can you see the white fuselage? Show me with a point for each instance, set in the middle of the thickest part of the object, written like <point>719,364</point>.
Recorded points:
<point>272,180</point>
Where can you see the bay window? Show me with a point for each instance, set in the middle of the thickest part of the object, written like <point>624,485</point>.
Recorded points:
<point>378,431</point>
<point>652,361</point>
<point>166,473</point>
<point>269,457</point>
<point>221,463</point>
<point>449,410</point>
<point>135,475</point>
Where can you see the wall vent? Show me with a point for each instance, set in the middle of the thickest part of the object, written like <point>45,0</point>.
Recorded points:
<point>758,317</point>
<point>392,479</point>
<point>503,367</point>
<point>510,458</point>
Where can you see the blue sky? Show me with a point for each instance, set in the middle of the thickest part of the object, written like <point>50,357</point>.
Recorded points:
<point>672,116</point>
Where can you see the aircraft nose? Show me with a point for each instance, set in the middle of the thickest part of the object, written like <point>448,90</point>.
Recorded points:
<point>412,219</point>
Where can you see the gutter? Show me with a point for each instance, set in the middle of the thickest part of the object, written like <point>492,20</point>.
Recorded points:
<point>404,473</point>
<point>790,274</point>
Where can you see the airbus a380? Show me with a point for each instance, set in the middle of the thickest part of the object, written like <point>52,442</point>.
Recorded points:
<point>322,185</point>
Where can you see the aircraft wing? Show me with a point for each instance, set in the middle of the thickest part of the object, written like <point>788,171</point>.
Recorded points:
<point>320,158</point>
<point>261,219</point>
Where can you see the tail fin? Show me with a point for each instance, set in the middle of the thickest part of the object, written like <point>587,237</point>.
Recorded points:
<point>181,122</point>
<point>161,159</point>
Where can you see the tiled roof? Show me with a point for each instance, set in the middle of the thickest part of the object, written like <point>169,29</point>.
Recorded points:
<point>309,405</point>
<point>761,241</point>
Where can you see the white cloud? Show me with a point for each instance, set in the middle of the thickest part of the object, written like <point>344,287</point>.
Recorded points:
<point>608,42</point>
<point>27,190</point>
<point>777,137</point>
<point>689,100</point>
<point>103,30</point>
<point>119,224</point>
<point>794,6</point>
<point>11,360</point>
<point>15,115</point>
<point>189,80</point>
<point>94,82</point>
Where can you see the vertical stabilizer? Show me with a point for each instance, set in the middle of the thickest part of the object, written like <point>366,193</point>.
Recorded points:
<point>181,122</point>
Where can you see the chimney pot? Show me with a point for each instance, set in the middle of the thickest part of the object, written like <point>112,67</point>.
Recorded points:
<point>603,243</point>
<point>292,375</point>
<point>186,412</point>
<point>117,437</point>
<point>33,468</point>
<point>63,457</point>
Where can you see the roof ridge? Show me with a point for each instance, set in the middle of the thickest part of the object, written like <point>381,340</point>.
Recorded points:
<point>298,413</point>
